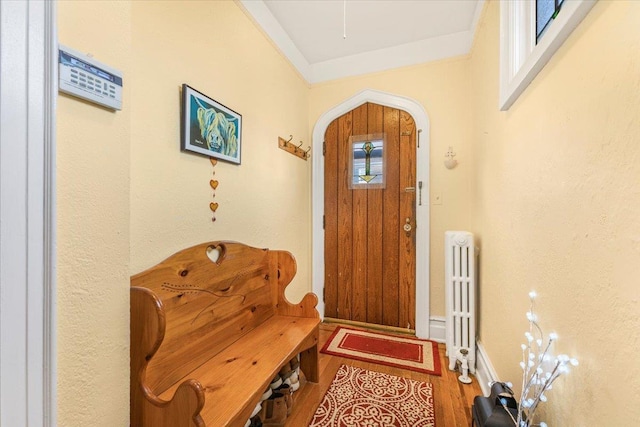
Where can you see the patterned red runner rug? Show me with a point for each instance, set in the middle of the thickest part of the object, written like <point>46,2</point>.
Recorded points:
<point>361,398</point>
<point>403,352</point>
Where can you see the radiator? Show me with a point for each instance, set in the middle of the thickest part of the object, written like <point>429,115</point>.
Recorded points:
<point>460,297</point>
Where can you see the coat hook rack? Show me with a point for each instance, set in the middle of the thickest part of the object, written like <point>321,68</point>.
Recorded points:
<point>294,149</point>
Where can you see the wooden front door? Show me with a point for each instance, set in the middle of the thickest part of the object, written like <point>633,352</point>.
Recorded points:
<point>369,202</point>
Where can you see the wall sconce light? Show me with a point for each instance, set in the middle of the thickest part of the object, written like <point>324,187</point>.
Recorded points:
<point>449,161</point>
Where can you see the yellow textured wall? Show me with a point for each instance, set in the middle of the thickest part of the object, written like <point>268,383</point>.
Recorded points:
<point>128,197</point>
<point>214,48</point>
<point>557,202</point>
<point>93,228</point>
<point>443,89</point>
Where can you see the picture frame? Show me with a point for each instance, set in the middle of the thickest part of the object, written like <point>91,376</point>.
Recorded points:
<point>209,128</point>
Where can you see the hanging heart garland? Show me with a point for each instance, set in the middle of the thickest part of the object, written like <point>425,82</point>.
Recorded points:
<point>214,185</point>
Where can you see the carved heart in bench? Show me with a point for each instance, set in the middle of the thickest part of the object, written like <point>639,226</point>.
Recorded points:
<point>216,253</point>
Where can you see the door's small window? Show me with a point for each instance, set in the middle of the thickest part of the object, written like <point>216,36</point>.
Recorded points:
<point>367,161</point>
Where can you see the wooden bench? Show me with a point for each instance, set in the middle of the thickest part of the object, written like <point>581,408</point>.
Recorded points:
<point>210,329</point>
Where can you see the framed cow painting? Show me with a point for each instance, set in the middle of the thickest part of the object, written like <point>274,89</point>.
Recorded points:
<point>209,127</point>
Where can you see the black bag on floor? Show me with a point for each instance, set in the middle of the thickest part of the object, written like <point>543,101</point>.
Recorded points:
<point>490,412</point>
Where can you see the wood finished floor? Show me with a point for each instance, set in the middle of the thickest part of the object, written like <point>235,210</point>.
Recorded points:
<point>452,399</point>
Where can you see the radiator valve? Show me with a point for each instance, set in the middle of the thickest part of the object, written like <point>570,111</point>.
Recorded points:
<point>464,366</point>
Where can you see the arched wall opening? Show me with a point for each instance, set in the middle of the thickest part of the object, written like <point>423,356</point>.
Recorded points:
<point>422,211</point>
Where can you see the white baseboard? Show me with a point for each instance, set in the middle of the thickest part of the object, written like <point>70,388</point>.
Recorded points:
<point>485,372</point>
<point>437,329</point>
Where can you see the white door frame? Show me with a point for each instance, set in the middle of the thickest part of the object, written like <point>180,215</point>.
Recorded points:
<point>422,211</point>
<point>28,91</point>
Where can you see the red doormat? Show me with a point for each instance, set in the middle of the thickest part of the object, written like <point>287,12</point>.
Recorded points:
<point>361,398</point>
<point>402,352</point>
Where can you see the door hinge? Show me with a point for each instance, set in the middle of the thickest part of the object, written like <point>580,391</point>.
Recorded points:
<point>324,292</point>
<point>323,222</point>
<point>324,147</point>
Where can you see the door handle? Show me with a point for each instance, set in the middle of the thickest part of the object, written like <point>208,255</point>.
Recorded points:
<point>407,227</point>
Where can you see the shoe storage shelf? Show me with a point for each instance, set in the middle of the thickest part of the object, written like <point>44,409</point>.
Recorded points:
<point>211,330</point>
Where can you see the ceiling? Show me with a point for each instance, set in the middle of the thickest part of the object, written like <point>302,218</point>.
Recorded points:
<point>330,39</point>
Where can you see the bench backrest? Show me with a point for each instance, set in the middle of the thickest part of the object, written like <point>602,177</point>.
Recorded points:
<point>207,304</point>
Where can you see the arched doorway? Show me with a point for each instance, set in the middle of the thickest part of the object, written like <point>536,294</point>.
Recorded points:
<point>422,207</point>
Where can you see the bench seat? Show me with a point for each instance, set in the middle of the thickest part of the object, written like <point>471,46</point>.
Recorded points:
<point>234,379</point>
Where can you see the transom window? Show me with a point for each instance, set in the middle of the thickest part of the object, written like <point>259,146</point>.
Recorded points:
<point>546,10</point>
<point>530,33</point>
